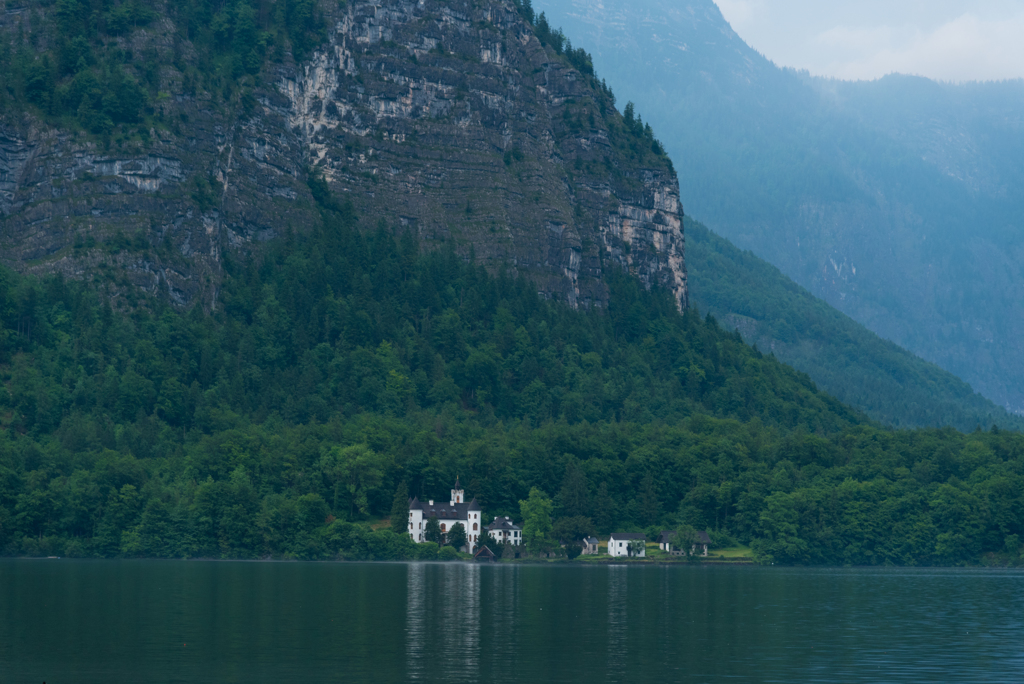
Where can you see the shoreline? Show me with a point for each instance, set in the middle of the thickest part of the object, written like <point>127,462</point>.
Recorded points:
<point>537,562</point>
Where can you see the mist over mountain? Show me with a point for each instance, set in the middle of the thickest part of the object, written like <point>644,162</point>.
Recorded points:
<point>897,201</point>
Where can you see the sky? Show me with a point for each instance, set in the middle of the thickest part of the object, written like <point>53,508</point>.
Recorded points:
<point>947,40</point>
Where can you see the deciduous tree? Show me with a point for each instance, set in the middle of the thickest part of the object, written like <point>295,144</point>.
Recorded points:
<point>456,536</point>
<point>536,513</point>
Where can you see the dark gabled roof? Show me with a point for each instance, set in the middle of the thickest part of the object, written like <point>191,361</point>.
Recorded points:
<point>416,505</point>
<point>629,535</point>
<point>503,523</point>
<point>443,510</point>
<point>590,540</point>
<point>483,551</point>
<point>666,537</point>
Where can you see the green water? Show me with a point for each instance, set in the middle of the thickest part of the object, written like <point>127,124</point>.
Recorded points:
<point>166,621</point>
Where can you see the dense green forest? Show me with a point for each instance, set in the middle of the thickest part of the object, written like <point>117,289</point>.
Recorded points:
<point>344,364</point>
<point>843,357</point>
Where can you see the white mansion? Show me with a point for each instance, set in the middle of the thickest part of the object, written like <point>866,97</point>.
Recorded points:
<point>458,511</point>
<point>448,515</point>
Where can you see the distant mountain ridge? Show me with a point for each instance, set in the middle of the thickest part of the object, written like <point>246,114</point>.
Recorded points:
<point>897,201</point>
<point>843,358</point>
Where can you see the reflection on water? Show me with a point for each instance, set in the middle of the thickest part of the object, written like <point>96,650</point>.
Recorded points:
<point>129,621</point>
<point>618,608</point>
<point>442,626</point>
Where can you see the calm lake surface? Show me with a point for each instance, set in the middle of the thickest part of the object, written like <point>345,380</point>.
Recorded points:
<point>167,621</point>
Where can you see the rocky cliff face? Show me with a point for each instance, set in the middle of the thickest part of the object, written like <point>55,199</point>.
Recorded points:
<point>449,119</point>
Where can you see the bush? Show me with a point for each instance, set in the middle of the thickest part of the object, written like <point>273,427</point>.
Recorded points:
<point>447,553</point>
<point>720,540</point>
<point>427,551</point>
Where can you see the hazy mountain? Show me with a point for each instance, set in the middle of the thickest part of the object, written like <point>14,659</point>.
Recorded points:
<point>843,357</point>
<point>897,201</point>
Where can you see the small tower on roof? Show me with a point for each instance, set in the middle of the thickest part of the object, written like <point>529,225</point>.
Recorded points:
<point>458,496</point>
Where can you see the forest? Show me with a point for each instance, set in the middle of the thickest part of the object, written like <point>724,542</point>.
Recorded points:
<point>344,365</point>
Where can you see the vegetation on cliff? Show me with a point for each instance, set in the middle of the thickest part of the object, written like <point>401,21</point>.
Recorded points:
<point>77,67</point>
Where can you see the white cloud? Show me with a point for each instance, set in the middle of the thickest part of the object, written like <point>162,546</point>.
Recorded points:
<point>943,39</point>
<point>966,48</point>
<point>739,11</point>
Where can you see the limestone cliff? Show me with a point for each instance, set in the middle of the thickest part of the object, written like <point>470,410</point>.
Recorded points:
<point>449,119</point>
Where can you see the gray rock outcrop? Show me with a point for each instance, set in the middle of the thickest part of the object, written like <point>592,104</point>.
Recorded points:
<point>449,119</point>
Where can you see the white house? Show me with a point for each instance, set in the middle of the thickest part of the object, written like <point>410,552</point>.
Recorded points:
<point>448,515</point>
<point>505,531</point>
<point>590,546</point>
<point>620,544</point>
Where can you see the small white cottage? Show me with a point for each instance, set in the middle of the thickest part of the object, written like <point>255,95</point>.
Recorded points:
<point>625,544</point>
<point>590,546</point>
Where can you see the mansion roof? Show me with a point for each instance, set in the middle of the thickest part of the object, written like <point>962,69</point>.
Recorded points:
<point>444,510</point>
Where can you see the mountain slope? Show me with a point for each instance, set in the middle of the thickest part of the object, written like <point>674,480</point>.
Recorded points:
<point>349,355</point>
<point>845,359</point>
<point>895,201</point>
<point>450,119</point>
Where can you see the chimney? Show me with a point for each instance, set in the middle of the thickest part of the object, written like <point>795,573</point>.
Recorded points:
<point>431,502</point>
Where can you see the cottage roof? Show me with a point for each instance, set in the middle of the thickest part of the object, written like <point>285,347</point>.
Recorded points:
<point>666,537</point>
<point>483,553</point>
<point>590,540</point>
<point>623,536</point>
<point>503,523</point>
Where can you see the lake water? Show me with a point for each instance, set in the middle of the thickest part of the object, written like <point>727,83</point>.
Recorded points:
<point>167,621</point>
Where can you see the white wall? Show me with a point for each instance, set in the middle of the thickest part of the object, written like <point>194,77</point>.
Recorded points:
<point>620,547</point>
<point>417,525</point>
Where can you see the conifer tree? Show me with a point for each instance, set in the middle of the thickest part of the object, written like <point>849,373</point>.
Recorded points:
<point>432,531</point>
<point>574,498</point>
<point>400,510</point>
